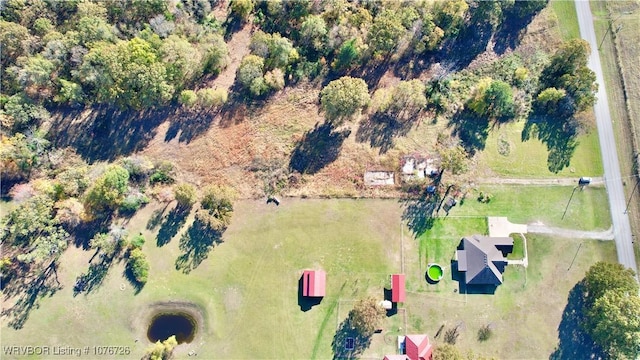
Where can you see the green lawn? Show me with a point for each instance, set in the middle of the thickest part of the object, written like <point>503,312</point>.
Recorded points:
<point>528,159</point>
<point>247,287</point>
<point>565,10</point>
<point>587,210</point>
<point>518,248</point>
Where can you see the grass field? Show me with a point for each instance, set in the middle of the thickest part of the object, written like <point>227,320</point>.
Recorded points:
<point>565,10</point>
<point>525,310</point>
<point>529,158</point>
<point>247,288</point>
<point>525,204</point>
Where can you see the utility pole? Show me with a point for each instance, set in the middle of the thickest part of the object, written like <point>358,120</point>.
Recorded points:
<point>631,196</point>
<point>617,28</point>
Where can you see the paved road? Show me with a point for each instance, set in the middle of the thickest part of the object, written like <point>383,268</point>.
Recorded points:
<point>613,179</point>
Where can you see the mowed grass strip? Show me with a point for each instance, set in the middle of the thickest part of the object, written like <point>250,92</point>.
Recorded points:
<point>247,287</point>
<point>587,210</point>
<point>508,156</point>
<point>565,10</point>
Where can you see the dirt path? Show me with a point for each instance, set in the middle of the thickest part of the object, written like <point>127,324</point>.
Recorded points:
<point>540,228</point>
<point>238,47</point>
<point>597,181</point>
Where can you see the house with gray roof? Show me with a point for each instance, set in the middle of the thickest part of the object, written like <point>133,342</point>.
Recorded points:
<point>482,259</point>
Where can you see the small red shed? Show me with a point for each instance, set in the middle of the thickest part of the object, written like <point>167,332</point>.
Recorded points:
<point>417,347</point>
<point>314,283</point>
<point>397,288</point>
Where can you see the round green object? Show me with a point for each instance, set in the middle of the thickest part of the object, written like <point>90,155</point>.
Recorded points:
<point>435,272</point>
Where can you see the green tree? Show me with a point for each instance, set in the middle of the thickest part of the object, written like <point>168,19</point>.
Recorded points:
<point>161,350</point>
<point>366,316</point>
<point>209,97</point>
<point>70,93</point>
<point>108,244</point>
<point>548,99</point>
<point>343,97</point>
<point>185,195</point>
<point>128,74</point>
<point>241,9</point>
<point>15,40</point>
<point>499,98</point>
<point>568,70</point>
<point>313,32</point>
<point>108,190</point>
<point>347,56</point>
<point>28,221</point>
<point>614,323</point>
<point>139,266</point>
<point>216,207</point>
<point>22,112</point>
<point>450,15</point>
<point>250,75</point>
<point>183,61</point>
<point>447,351</point>
<point>454,159</point>
<point>188,98</point>
<point>408,98</point>
<point>603,276</point>
<point>92,29</point>
<point>384,33</point>
<point>215,53</point>
<point>36,76</point>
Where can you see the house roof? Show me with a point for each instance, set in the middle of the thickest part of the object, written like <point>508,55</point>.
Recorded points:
<point>482,259</point>
<point>314,283</point>
<point>417,347</point>
<point>395,357</point>
<point>398,293</point>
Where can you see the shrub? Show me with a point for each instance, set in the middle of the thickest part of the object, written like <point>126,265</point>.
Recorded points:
<point>137,241</point>
<point>139,266</point>
<point>188,98</point>
<point>163,173</point>
<point>185,194</point>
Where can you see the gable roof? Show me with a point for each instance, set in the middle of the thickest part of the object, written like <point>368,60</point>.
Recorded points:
<point>395,357</point>
<point>314,283</point>
<point>418,347</point>
<point>398,293</point>
<point>482,259</point>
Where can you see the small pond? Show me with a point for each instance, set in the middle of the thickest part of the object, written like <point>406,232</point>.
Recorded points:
<point>164,325</point>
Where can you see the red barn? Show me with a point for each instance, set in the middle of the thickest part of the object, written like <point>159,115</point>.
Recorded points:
<point>313,283</point>
<point>417,347</point>
<point>397,288</point>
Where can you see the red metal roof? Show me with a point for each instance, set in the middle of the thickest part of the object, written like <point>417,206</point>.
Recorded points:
<point>314,283</point>
<point>417,347</point>
<point>397,288</point>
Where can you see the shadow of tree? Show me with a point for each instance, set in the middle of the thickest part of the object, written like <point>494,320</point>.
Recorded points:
<point>93,278</point>
<point>190,124</point>
<point>381,129</point>
<point>559,136</point>
<point>196,244</point>
<point>471,128</point>
<point>345,331</point>
<point>107,133</point>
<point>574,343</point>
<point>420,213</point>
<point>319,147</point>
<point>174,221</point>
<point>28,291</point>
<point>511,31</point>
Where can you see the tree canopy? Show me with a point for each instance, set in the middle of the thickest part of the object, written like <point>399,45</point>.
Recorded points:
<point>343,97</point>
<point>366,316</point>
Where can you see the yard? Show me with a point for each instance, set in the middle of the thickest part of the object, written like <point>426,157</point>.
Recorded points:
<point>247,288</point>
